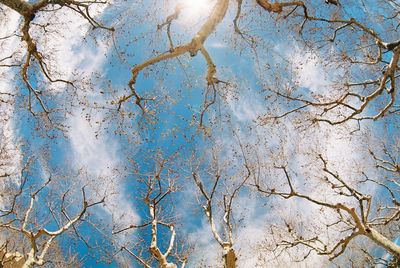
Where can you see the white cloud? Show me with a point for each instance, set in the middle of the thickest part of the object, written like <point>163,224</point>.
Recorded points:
<point>68,57</point>
<point>217,44</point>
<point>284,143</point>
<point>310,71</point>
<point>207,252</point>
<point>99,156</point>
<point>10,155</point>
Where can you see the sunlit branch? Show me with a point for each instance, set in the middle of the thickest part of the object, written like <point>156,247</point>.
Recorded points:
<point>192,48</point>
<point>28,11</point>
<point>277,7</point>
<point>168,22</point>
<point>223,238</point>
<point>156,192</point>
<point>360,224</point>
<point>35,257</point>
<point>341,110</point>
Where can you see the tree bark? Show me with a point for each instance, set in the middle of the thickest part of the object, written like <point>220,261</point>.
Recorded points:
<point>229,258</point>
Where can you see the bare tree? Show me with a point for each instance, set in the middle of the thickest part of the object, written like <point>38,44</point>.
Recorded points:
<point>345,104</point>
<point>357,39</point>
<point>38,71</point>
<point>364,51</point>
<point>358,215</point>
<point>218,204</point>
<point>349,103</point>
<point>164,251</point>
<point>32,233</point>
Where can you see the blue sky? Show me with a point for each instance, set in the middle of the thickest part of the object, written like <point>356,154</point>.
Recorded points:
<point>111,152</point>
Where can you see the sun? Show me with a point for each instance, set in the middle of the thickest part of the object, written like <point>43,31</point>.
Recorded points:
<point>193,10</point>
<point>196,5</point>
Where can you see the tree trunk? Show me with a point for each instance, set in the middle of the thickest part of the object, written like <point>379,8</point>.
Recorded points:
<point>230,258</point>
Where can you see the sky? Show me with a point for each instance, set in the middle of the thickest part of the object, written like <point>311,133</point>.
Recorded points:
<point>114,152</point>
